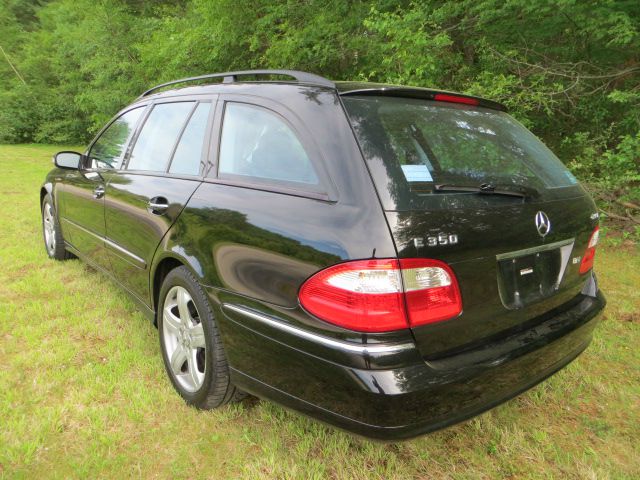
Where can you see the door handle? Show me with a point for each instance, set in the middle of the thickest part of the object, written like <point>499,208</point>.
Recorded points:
<point>98,192</point>
<point>158,205</point>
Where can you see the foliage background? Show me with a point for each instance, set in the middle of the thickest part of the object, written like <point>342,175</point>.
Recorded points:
<point>568,69</point>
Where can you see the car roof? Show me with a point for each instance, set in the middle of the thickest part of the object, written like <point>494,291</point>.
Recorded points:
<point>343,88</point>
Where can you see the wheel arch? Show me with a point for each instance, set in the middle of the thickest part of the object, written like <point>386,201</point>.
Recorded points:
<point>44,189</point>
<point>161,267</point>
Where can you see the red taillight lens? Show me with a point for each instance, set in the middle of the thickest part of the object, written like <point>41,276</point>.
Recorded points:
<point>431,291</point>
<point>443,97</point>
<point>590,254</point>
<point>368,295</point>
<point>364,295</point>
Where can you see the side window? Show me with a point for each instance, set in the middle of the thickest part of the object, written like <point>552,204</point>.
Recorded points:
<point>259,144</point>
<point>107,151</point>
<point>159,133</point>
<point>186,159</point>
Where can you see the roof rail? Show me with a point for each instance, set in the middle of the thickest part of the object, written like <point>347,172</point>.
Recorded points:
<point>231,77</point>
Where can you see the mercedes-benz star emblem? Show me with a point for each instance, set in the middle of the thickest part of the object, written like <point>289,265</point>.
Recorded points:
<point>543,224</point>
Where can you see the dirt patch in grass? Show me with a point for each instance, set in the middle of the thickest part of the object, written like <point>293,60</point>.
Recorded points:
<point>631,317</point>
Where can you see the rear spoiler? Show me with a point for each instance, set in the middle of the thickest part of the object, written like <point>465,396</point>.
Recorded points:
<point>426,94</point>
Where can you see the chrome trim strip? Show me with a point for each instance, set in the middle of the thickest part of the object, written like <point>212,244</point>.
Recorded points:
<point>326,341</point>
<point>109,243</point>
<point>529,251</point>
<point>120,249</point>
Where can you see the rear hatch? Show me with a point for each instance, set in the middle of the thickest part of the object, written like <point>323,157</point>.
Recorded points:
<point>472,187</point>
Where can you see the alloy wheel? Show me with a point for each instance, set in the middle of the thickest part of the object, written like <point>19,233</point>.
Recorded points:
<point>184,340</point>
<point>49,227</point>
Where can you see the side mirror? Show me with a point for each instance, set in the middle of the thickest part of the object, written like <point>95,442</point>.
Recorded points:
<point>70,160</point>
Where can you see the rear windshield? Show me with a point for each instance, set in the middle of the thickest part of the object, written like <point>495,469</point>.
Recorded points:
<point>414,145</point>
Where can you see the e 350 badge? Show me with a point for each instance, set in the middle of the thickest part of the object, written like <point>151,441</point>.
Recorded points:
<point>439,239</point>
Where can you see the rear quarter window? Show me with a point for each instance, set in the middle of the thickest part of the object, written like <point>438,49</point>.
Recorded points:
<point>257,145</point>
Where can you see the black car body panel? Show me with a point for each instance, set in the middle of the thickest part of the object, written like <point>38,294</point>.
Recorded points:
<point>399,395</point>
<point>485,312</point>
<point>134,229</point>
<point>252,243</point>
<point>82,215</point>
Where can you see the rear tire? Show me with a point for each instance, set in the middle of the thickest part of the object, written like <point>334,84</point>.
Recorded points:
<point>190,343</point>
<point>51,231</point>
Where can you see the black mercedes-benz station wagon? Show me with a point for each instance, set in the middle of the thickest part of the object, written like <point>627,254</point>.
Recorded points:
<point>387,259</point>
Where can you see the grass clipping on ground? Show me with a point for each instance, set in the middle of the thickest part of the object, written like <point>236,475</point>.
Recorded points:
<point>83,391</point>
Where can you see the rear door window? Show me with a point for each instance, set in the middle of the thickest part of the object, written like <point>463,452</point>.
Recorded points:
<point>413,145</point>
<point>188,155</point>
<point>154,146</point>
<point>258,145</point>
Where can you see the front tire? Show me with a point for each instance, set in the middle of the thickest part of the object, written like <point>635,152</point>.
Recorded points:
<point>190,342</point>
<point>51,231</point>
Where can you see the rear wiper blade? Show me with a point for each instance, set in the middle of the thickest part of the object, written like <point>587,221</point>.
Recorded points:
<point>489,189</point>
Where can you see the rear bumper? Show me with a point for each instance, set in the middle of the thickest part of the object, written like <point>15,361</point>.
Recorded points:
<point>395,394</point>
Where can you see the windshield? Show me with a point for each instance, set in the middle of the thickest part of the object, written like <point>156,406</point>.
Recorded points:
<point>412,146</point>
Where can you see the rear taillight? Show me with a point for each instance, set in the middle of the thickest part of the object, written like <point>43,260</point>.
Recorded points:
<point>431,291</point>
<point>383,295</point>
<point>590,254</point>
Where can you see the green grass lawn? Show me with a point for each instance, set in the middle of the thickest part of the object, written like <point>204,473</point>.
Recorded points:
<point>83,391</point>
